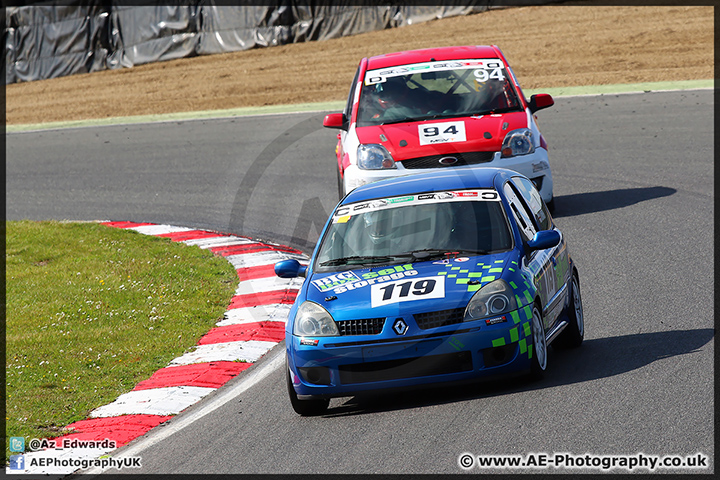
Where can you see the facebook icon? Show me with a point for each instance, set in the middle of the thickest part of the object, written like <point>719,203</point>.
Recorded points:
<point>17,462</point>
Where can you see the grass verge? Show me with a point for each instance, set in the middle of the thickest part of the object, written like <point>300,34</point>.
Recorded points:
<point>92,310</point>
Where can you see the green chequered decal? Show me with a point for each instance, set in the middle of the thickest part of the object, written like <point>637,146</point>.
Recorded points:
<point>463,275</point>
<point>526,329</point>
<point>528,297</point>
<point>514,335</point>
<point>498,342</point>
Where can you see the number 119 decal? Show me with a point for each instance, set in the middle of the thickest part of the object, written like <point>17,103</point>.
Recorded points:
<point>406,290</point>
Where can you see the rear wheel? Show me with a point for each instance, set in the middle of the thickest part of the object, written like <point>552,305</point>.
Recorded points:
<point>538,361</point>
<point>304,407</point>
<point>574,333</point>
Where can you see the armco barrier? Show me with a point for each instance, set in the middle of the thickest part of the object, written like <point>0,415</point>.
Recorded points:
<point>55,39</point>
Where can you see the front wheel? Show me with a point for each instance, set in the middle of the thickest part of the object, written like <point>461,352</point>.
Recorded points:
<point>304,407</point>
<point>574,333</point>
<point>538,360</point>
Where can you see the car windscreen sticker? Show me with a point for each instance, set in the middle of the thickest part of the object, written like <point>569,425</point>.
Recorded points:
<point>406,290</point>
<point>344,212</point>
<point>444,132</point>
<point>489,72</point>
<point>331,281</point>
<point>492,67</point>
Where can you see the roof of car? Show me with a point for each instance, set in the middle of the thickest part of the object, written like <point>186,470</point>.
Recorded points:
<point>459,178</point>
<point>432,54</point>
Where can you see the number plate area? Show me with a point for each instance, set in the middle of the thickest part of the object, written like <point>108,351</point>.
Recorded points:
<point>402,361</point>
<point>445,132</point>
<point>407,349</point>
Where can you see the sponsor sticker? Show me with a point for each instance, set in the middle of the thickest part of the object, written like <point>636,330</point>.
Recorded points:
<point>493,68</point>
<point>444,132</point>
<point>343,213</point>
<point>331,281</point>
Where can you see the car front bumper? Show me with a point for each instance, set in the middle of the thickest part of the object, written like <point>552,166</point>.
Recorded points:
<point>346,365</point>
<point>535,166</point>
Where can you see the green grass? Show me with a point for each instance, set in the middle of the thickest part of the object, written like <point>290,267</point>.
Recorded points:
<point>93,310</point>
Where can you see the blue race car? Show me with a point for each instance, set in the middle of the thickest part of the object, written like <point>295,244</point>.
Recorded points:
<point>429,278</point>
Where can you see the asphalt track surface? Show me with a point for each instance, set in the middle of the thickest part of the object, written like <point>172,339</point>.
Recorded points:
<point>634,186</point>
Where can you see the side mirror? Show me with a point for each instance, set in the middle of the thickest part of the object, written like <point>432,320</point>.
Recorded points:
<point>334,120</point>
<point>544,239</point>
<point>290,269</point>
<point>540,101</point>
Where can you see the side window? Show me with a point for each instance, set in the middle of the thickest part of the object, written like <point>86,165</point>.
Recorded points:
<point>522,216</point>
<point>534,201</point>
<point>351,96</point>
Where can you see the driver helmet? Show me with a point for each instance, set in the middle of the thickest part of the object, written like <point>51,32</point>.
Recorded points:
<point>393,92</point>
<point>378,225</point>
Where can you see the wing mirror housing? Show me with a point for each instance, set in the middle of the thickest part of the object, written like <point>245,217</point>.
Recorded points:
<point>334,120</point>
<point>544,239</point>
<point>539,101</point>
<point>290,269</point>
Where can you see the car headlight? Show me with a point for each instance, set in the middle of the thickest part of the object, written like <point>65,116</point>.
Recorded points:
<point>495,298</point>
<point>312,320</point>
<point>374,157</point>
<point>518,142</point>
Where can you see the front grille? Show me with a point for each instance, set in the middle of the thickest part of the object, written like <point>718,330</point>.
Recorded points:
<point>440,318</point>
<point>433,161</point>
<point>366,326</point>
<point>406,368</point>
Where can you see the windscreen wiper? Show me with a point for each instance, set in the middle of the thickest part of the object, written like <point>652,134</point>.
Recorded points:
<point>431,253</point>
<point>356,259</point>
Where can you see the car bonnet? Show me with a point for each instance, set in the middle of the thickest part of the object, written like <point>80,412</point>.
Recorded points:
<point>383,291</point>
<point>484,133</point>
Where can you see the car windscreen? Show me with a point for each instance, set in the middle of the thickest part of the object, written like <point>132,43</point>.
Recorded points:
<point>414,228</point>
<point>435,90</point>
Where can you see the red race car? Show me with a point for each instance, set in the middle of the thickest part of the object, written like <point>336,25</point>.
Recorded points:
<point>439,108</point>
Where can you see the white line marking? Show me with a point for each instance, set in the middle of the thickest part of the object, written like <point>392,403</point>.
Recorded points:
<point>269,284</point>
<point>159,229</point>
<point>262,258</point>
<point>261,313</point>
<point>154,401</point>
<point>249,351</point>
<point>219,241</point>
<point>156,435</point>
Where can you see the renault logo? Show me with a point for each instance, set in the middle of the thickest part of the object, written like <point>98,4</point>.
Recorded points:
<point>400,326</point>
<point>448,161</point>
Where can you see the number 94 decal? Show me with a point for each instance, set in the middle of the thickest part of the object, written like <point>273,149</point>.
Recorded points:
<point>406,290</point>
<point>444,132</point>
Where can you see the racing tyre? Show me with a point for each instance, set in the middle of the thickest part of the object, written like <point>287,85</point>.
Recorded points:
<point>538,361</point>
<point>572,336</point>
<point>305,407</point>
